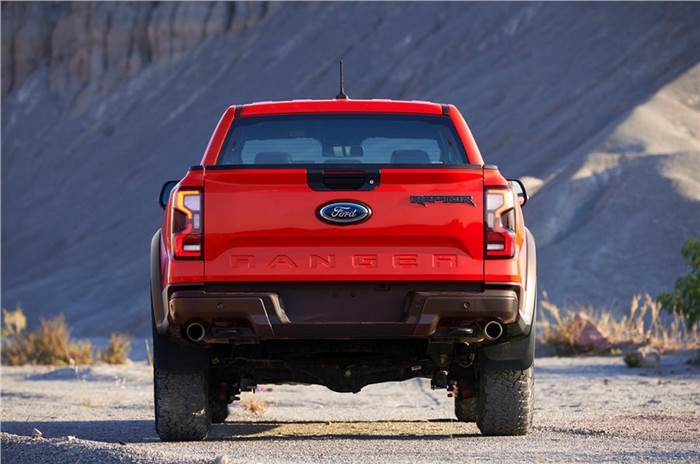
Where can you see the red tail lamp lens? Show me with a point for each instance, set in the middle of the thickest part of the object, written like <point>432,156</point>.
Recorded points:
<point>500,223</point>
<point>187,224</point>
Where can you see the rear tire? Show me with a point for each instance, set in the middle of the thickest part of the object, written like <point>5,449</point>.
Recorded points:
<point>505,401</point>
<point>465,409</point>
<point>181,405</point>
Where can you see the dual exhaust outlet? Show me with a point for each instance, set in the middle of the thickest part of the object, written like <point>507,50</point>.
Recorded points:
<point>493,330</point>
<point>477,333</point>
<point>196,331</point>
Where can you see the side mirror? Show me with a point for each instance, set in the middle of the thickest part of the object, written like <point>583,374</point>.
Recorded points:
<point>165,192</point>
<point>519,190</point>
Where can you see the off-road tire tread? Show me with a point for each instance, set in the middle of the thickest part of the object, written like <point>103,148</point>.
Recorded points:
<point>505,401</point>
<point>181,405</point>
<point>465,409</point>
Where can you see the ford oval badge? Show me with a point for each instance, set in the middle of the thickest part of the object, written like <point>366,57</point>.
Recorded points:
<point>343,213</point>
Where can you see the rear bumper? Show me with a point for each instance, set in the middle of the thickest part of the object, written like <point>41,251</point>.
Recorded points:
<point>429,314</point>
<point>313,313</point>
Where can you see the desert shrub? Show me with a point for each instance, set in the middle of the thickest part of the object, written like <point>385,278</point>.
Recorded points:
<point>643,324</point>
<point>685,298</point>
<point>13,322</point>
<point>50,344</point>
<point>631,360</point>
<point>117,350</point>
<point>253,404</point>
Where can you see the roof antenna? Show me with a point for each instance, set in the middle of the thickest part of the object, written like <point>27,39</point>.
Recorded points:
<point>341,95</point>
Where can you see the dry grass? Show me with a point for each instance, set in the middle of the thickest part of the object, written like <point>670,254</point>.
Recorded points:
<point>253,404</point>
<point>644,324</point>
<point>13,322</point>
<point>117,351</point>
<point>50,344</point>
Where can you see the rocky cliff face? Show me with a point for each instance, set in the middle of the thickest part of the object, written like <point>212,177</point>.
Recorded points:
<point>88,47</point>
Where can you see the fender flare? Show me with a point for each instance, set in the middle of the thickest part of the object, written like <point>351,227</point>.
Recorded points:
<point>529,294</point>
<point>160,316</point>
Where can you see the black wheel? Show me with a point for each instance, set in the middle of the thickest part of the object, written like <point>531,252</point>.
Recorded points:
<point>219,412</point>
<point>505,401</point>
<point>465,409</point>
<point>181,405</point>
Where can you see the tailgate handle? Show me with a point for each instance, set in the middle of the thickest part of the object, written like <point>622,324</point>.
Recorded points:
<point>343,179</point>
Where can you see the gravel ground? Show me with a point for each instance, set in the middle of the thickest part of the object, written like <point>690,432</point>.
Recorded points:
<point>587,410</point>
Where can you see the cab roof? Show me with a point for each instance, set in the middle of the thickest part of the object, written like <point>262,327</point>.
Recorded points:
<point>341,106</point>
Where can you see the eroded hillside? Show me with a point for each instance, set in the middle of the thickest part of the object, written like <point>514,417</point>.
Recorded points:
<point>597,103</point>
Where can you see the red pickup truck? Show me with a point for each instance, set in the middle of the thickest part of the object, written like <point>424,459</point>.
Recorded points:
<point>342,243</point>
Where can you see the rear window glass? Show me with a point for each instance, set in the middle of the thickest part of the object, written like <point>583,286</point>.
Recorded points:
<point>376,139</point>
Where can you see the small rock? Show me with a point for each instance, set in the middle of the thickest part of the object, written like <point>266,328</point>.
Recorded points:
<point>70,438</point>
<point>646,357</point>
<point>37,435</point>
<point>221,460</point>
<point>588,337</point>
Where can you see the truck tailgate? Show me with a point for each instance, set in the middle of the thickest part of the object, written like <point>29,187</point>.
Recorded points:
<point>262,225</point>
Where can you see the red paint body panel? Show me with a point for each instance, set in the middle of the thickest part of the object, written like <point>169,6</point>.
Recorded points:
<point>341,106</point>
<point>260,224</point>
<point>466,136</point>
<point>218,137</point>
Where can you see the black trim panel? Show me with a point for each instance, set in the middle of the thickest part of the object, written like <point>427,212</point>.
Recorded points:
<point>160,320</point>
<point>333,179</point>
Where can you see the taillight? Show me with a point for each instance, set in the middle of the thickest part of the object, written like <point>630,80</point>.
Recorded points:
<point>186,225</point>
<point>500,223</point>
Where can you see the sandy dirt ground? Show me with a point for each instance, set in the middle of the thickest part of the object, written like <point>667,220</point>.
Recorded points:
<point>587,410</point>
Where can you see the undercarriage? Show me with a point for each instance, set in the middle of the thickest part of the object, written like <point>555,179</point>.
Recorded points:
<point>341,365</point>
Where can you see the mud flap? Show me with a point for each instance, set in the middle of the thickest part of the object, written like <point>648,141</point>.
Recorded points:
<point>515,354</point>
<point>172,356</point>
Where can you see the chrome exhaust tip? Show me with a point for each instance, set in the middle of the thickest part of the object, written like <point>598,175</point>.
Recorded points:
<point>493,330</point>
<point>195,332</point>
